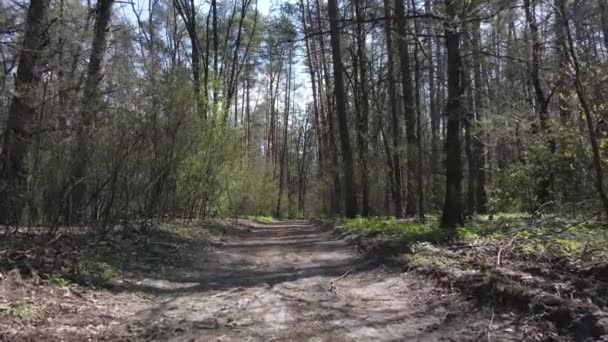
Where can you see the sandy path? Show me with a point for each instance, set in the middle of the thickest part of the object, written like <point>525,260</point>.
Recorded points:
<point>292,281</point>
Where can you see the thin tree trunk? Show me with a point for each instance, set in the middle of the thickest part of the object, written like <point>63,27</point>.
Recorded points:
<point>363,112</point>
<point>478,144</point>
<point>409,109</point>
<point>216,47</point>
<point>336,195</point>
<point>350,199</point>
<point>282,165</point>
<point>432,98</point>
<point>310,46</point>
<point>418,101</point>
<point>562,56</point>
<point>394,110</point>
<point>452,210</point>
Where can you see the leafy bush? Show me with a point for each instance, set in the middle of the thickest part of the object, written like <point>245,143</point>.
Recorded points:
<point>94,271</point>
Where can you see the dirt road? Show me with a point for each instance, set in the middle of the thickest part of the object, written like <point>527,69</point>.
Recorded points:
<point>294,281</point>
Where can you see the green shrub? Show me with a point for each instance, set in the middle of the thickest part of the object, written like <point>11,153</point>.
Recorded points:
<point>94,271</point>
<point>21,310</point>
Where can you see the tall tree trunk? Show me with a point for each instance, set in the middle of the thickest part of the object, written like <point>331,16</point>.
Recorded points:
<point>216,47</point>
<point>282,165</point>
<point>336,195</point>
<point>432,98</point>
<point>562,57</point>
<point>479,150</point>
<point>418,100</point>
<point>363,112</point>
<point>17,135</point>
<point>90,103</point>
<point>452,209</point>
<point>542,103</point>
<point>310,47</point>
<point>468,120</point>
<point>350,199</point>
<point>410,115</point>
<point>394,109</point>
<point>469,206</point>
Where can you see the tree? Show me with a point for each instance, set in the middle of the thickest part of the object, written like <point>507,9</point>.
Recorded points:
<point>350,200</point>
<point>23,107</point>
<point>410,115</point>
<point>452,215</point>
<point>90,103</point>
<point>363,108</point>
<point>394,111</point>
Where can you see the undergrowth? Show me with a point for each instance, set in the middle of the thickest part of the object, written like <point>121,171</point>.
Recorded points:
<point>573,239</point>
<point>262,219</point>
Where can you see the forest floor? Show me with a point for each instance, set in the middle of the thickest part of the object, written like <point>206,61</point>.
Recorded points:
<point>247,281</point>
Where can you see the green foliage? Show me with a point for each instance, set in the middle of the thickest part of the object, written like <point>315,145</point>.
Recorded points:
<point>252,189</point>
<point>575,243</point>
<point>59,279</point>
<point>392,228</point>
<point>561,156</point>
<point>205,175</point>
<point>94,270</point>
<point>262,219</point>
<point>21,310</point>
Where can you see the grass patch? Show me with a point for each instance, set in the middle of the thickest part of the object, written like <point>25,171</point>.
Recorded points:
<point>552,237</point>
<point>262,219</point>
<point>21,310</point>
<point>390,228</point>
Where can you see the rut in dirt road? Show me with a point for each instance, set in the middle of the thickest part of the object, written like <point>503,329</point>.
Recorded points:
<point>294,281</point>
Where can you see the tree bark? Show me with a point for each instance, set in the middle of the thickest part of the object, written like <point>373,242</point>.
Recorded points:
<point>562,58</point>
<point>418,100</point>
<point>282,165</point>
<point>350,199</point>
<point>410,115</point>
<point>334,168</point>
<point>17,135</point>
<point>452,209</point>
<point>394,110</point>
<point>479,150</point>
<point>310,47</point>
<point>363,112</point>
<point>432,98</point>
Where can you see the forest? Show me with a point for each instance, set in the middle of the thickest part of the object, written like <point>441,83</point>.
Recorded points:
<point>424,127</point>
<point>169,109</point>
